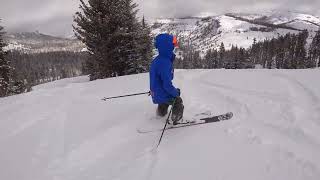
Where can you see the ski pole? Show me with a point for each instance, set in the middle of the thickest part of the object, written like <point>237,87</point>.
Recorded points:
<point>164,128</point>
<point>137,94</point>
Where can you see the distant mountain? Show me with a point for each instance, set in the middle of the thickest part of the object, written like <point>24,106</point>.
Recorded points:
<point>205,33</point>
<point>202,32</point>
<point>33,42</point>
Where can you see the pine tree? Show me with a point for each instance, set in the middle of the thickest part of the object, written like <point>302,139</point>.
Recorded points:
<point>242,59</point>
<point>210,59</point>
<point>234,58</point>
<point>207,59</point>
<point>144,25</point>
<point>280,51</point>
<point>292,48</point>
<point>111,32</point>
<point>188,51</point>
<point>315,51</point>
<point>5,68</point>
<point>286,58</point>
<point>146,46</point>
<point>300,52</point>
<point>221,59</point>
<point>254,52</point>
<point>214,56</point>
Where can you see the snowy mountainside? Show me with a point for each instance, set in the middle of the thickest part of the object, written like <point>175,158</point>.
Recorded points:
<point>235,28</point>
<point>34,42</point>
<point>63,131</point>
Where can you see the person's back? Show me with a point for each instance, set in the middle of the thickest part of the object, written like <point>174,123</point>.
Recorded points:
<point>161,75</point>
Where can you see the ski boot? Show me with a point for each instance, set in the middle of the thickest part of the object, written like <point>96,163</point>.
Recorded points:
<point>176,119</point>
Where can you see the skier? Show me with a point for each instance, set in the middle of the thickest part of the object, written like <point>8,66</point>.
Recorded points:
<point>161,75</point>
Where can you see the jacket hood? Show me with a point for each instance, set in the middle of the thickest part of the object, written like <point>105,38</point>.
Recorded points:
<point>164,44</point>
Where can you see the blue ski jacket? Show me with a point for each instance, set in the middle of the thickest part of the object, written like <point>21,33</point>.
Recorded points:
<point>161,71</point>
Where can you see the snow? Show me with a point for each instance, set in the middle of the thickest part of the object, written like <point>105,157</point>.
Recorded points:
<point>205,14</point>
<point>163,21</point>
<point>236,32</point>
<point>16,46</point>
<point>229,23</point>
<point>251,16</point>
<point>63,131</point>
<point>308,17</point>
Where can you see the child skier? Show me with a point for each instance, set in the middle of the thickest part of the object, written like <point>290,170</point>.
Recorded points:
<point>161,75</point>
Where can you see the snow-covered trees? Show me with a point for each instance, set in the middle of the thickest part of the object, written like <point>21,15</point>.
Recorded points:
<point>221,56</point>
<point>5,68</point>
<point>300,50</point>
<point>146,46</point>
<point>36,68</point>
<point>211,59</point>
<point>285,52</point>
<point>116,41</point>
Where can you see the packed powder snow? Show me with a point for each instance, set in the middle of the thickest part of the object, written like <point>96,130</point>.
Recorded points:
<point>63,131</point>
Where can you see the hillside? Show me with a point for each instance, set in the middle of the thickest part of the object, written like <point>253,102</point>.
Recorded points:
<point>63,131</point>
<point>35,42</point>
<point>235,28</point>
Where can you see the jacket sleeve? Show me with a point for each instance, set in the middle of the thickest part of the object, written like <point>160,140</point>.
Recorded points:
<point>166,77</point>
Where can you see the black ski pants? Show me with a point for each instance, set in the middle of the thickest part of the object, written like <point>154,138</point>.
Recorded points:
<point>177,109</point>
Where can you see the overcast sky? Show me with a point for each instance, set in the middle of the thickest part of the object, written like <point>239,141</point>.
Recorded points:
<point>55,16</point>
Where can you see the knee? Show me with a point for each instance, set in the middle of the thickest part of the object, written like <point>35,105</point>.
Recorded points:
<point>162,110</point>
<point>179,100</point>
<point>161,113</point>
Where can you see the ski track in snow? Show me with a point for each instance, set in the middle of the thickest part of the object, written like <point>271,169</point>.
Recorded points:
<point>292,114</point>
<point>62,131</point>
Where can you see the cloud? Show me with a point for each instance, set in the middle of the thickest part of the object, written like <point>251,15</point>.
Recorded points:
<point>56,16</point>
<point>170,8</point>
<point>47,16</point>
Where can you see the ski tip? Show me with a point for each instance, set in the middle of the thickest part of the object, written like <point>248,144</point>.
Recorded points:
<point>230,114</point>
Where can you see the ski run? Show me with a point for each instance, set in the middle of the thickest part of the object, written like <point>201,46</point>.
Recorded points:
<point>63,131</point>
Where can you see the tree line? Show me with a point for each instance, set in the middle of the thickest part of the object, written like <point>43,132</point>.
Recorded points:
<point>20,71</point>
<point>284,52</point>
<point>37,68</point>
<point>5,67</point>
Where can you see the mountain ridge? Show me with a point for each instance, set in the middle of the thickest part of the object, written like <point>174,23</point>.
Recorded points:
<point>200,32</point>
<point>35,42</point>
<point>237,29</point>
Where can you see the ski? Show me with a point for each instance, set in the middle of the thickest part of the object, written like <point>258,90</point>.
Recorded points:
<point>212,119</point>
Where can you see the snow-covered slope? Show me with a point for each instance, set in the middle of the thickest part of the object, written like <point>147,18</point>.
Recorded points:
<point>235,28</point>
<point>63,131</point>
